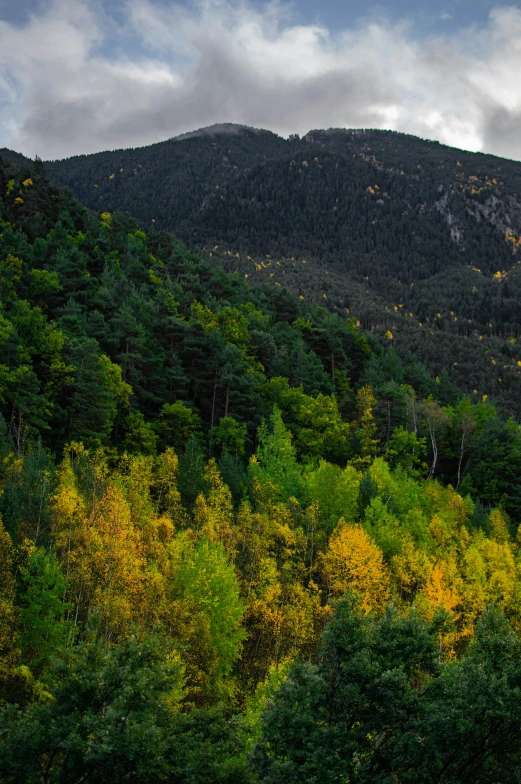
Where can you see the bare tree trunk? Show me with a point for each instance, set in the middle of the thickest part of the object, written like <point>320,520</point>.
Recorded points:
<point>227,400</point>
<point>460,461</point>
<point>432,432</point>
<point>214,397</point>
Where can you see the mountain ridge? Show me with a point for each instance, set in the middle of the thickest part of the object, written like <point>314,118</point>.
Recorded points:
<point>422,240</point>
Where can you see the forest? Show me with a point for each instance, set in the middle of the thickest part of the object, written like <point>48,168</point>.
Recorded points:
<point>243,539</point>
<point>410,236</point>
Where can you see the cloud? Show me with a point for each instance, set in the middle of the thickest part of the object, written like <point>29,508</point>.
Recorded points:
<point>75,80</point>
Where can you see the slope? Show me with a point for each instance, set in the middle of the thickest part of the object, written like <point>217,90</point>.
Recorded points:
<point>406,226</point>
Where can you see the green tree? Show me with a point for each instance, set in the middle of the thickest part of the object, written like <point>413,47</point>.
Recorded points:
<point>231,435</point>
<point>380,706</point>
<point>176,424</point>
<point>108,718</point>
<point>495,467</point>
<point>275,460</point>
<point>9,654</point>
<point>206,615</point>
<point>405,449</point>
<point>340,719</point>
<point>43,628</point>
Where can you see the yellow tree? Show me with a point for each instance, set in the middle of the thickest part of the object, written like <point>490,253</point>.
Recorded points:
<point>167,493</point>
<point>353,562</point>
<point>365,428</point>
<point>491,577</point>
<point>213,512</point>
<point>410,569</point>
<point>9,655</point>
<point>98,544</point>
<point>443,590</point>
<point>114,551</point>
<point>283,605</point>
<point>69,534</point>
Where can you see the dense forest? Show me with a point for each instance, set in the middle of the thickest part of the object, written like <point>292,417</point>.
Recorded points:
<point>242,539</point>
<point>412,237</point>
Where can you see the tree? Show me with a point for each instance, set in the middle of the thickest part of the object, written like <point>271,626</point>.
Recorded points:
<point>495,467</point>
<point>275,460</point>
<point>365,443</point>
<point>213,512</point>
<point>43,628</point>
<point>340,719</point>
<point>353,563</point>
<point>231,435</point>
<point>205,614</point>
<point>108,717</point>
<point>191,472</point>
<point>437,420</point>
<point>24,502</point>
<point>176,424</point>
<point>94,394</point>
<point>379,706</point>
<point>9,653</point>
<point>335,491</point>
<point>406,450</point>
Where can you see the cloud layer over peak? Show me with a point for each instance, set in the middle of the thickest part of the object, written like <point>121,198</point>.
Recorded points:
<point>73,79</point>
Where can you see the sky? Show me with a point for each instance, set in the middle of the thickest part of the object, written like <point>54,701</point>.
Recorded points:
<point>80,76</point>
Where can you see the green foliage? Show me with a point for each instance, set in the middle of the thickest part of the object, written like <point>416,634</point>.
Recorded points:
<point>315,421</point>
<point>176,424</point>
<point>24,503</point>
<point>208,591</point>
<point>139,436</point>
<point>275,463</point>
<point>405,449</point>
<point>199,471</point>
<point>43,627</point>
<point>379,706</point>
<point>106,716</point>
<point>9,655</point>
<point>335,491</point>
<point>231,435</point>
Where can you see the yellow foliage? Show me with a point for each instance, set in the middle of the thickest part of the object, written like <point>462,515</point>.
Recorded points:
<point>410,569</point>
<point>499,526</point>
<point>100,549</point>
<point>353,562</point>
<point>444,590</point>
<point>213,513</point>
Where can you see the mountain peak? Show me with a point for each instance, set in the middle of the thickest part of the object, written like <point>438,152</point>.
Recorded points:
<point>222,129</point>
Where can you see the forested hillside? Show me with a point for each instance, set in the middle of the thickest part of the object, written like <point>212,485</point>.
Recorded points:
<point>241,540</point>
<point>412,237</point>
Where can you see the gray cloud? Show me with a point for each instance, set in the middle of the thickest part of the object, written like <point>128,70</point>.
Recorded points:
<point>68,86</point>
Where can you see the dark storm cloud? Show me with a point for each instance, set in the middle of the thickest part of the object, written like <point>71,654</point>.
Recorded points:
<point>68,85</point>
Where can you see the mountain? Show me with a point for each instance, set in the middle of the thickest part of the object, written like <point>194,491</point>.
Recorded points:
<point>240,541</point>
<point>376,202</point>
<point>15,158</point>
<point>415,239</point>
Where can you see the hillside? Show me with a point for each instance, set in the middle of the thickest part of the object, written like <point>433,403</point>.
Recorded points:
<point>411,236</point>
<point>240,541</point>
